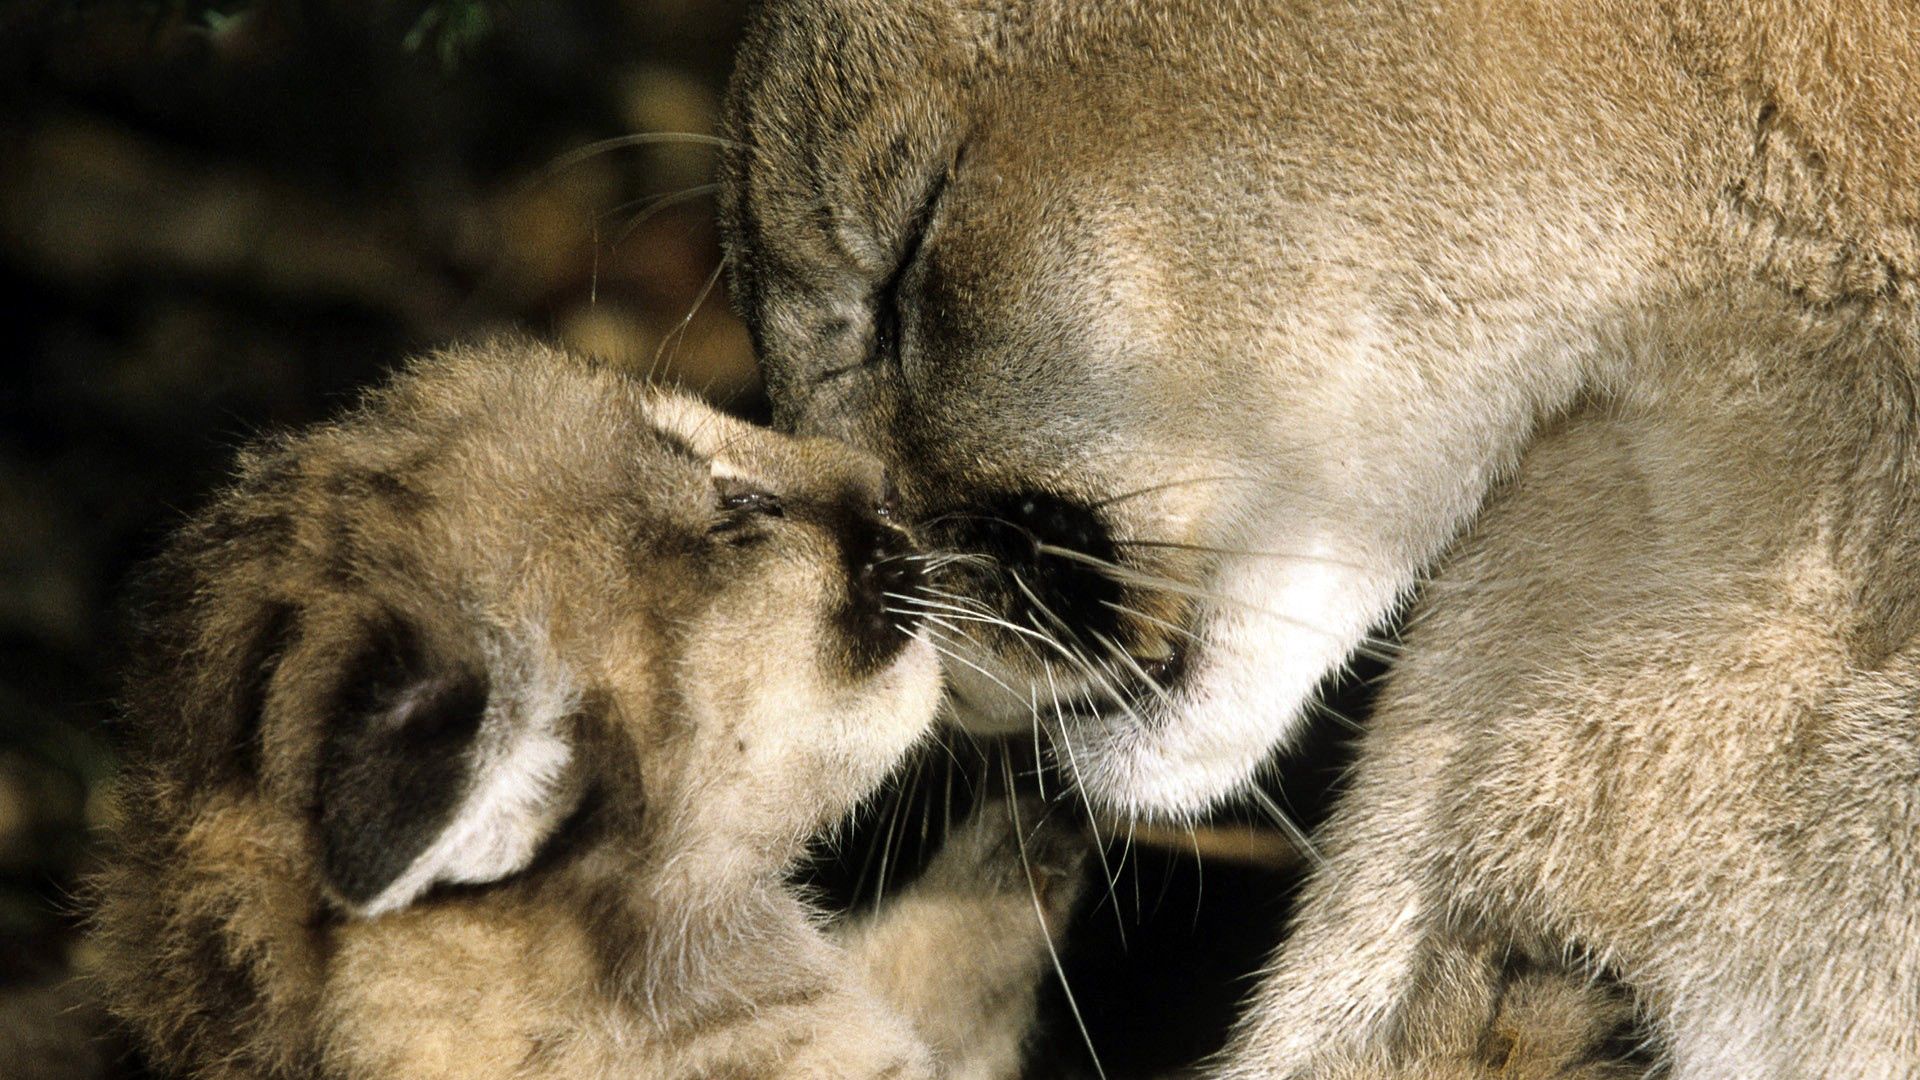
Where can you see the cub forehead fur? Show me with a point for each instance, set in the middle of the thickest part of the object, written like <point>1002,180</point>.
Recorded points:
<point>513,523</point>
<point>1595,323</point>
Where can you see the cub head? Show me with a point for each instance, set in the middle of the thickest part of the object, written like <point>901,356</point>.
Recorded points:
<point>509,601</point>
<point>1202,328</point>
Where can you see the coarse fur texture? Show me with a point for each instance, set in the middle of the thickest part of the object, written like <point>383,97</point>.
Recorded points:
<point>473,735</point>
<point>1588,329</point>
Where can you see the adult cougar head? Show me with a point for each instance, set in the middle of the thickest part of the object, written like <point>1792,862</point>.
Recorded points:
<point>1211,324</point>
<point>518,624</point>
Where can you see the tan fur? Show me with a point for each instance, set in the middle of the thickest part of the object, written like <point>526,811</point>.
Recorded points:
<point>1592,327</point>
<point>555,531</point>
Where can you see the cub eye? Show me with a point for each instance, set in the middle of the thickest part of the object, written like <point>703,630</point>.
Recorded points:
<point>752,501</point>
<point>889,505</point>
<point>744,508</point>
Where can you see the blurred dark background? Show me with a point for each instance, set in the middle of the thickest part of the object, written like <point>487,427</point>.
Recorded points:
<point>222,218</point>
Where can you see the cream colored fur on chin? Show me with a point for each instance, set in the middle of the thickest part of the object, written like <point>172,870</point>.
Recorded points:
<point>1244,699</point>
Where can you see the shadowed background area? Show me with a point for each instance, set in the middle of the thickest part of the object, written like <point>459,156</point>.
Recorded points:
<point>218,219</point>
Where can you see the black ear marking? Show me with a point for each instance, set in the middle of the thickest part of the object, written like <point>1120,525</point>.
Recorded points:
<point>278,625</point>
<point>394,760</point>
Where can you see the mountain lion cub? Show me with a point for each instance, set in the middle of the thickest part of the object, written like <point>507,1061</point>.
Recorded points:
<point>473,734</point>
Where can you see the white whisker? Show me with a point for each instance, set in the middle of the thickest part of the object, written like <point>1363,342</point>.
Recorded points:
<point>651,208</point>
<point>621,142</point>
<point>1169,485</point>
<point>1287,825</point>
<point>678,334</point>
<point>1046,932</point>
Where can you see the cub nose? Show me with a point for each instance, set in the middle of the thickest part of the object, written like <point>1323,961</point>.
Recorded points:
<point>884,577</point>
<point>1056,557</point>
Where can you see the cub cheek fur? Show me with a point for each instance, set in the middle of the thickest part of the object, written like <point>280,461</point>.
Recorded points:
<point>780,712</point>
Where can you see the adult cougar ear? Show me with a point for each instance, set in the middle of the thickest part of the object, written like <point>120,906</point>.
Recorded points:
<point>432,770</point>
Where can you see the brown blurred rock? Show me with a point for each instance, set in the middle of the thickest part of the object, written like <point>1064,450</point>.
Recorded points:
<point>53,1031</point>
<point>91,203</point>
<point>665,99</point>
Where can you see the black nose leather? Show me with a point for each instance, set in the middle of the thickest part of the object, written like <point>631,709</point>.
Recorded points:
<point>882,573</point>
<point>1054,556</point>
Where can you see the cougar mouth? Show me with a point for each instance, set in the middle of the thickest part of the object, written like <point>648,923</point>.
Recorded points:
<point>1008,670</point>
<point>1155,665</point>
<point>1041,580</point>
<point>1153,672</point>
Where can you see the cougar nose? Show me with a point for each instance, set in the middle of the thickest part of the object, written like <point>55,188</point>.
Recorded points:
<point>1057,556</point>
<point>882,574</point>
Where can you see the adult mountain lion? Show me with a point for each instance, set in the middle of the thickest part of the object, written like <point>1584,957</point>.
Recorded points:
<point>1219,330</point>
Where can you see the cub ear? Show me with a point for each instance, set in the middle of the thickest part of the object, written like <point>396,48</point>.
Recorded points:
<point>434,771</point>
